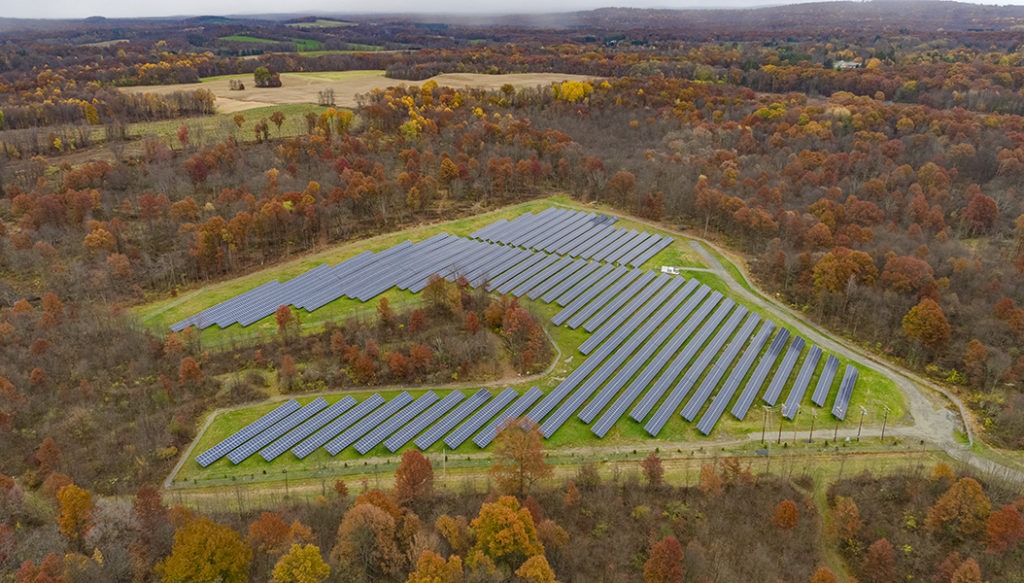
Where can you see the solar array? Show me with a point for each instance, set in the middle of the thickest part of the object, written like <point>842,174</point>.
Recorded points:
<point>654,339</point>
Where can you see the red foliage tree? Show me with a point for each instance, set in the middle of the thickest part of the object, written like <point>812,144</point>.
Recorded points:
<point>654,471</point>
<point>414,478</point>
<point>786,515</point>
<point>1004,529</point>
<point>926,323</point>
<point>665,564</point>
<point>879,564</point>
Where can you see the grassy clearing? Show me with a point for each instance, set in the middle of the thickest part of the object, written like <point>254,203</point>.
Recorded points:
<point>874,392</point>
<point>335,75</point>
<point>244,38</point>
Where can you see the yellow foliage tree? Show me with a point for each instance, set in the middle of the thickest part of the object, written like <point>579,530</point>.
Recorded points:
<point>75,518</point>
<point>206,551</point>
<point>505,532</point>
<point>432,568</point>
<point>301,564</point>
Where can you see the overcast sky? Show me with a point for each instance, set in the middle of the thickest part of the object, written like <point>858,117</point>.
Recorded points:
<point>121,8</point>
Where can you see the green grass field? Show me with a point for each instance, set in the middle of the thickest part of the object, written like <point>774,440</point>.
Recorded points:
<point>303,44</point>
<point>874,391</point>
<point>322,23</point>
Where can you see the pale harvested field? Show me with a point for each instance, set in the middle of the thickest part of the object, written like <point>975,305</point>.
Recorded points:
<point>305,87</point>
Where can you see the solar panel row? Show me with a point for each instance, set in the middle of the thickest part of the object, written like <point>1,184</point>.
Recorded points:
<point>385,428</point>
<point>325,433</point>
<point>364,425</point>
<point>842,404</point>
<point>771,395</point>
<point>721,400</point>
<point>276,430</point>
<point>633,314</point>
<point>442,427</point>
<point>676,396</point>
<point>514,411</point>
<point>303,431</point>
<point>759,375</point>
<point>821,391</point>
<point>417,425</point>
<point>477,420</point>
<point>722,364</point>
<point>246,433</point>
<point>588,295</point>
<point>605,296</point>
<point>642,287</point>
<point>803,378</point>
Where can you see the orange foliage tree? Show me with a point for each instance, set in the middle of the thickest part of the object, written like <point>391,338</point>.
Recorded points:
<point>961,512</point>
<point>206,551</point>
<point>665,565</point>
<point>505,532</point>
<point>786,515</point>
<point>75,517</point>
<point>414,478</point>
<point>518,457</point>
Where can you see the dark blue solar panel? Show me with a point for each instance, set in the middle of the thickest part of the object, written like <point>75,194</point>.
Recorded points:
<point>364,425</point>
<point>514,411</point>
<point>722,364</point>
<point>626,246</point>
<point>637,311</point>
<point>323,435</point>
<point>782,373</point>
<point>452,419</point>
<point>694,333</point>
<point>596,241</point>
<point>803,378</point>
<point>276,430</point>
<point>676,396</point>
<point>588,296</point>
<point>417,425</point>
<point>842,404</point>
<point>308,428</point>
<point>824,385</point>
<point>477,420</point>
<point>600,300</point>
<point>538,267</point>
<point>586,271</point>
<point>759,375</point>
<point>635,289</point>
<point>586,283</point>
<point>246,433</point>
<point>641,258</point>
<point>383,430</point>
<point>527,263</point>
<point>721,400</point>
<point>565,274</point>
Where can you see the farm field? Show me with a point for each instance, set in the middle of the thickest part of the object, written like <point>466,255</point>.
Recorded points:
<point>303,88</point>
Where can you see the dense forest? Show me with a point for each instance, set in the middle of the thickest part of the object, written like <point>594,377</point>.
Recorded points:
<point>871,176</point>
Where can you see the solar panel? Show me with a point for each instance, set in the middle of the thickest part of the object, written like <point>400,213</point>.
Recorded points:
<point>597,239</point>
<point>641,258</point>
<point>722,364</point>
<point>364,425</point>
<point>563,274</point>
<point>544,237</point>
<point>322,436</point>
<point>512,256</point>
<point>515,410</point>
<point>276,430</point>
<point>676,396</point>
<point>782,373</point>
<point>842,404</point>
<point>586,283</point>
<point>721,400</point>
<point>693,333</point>
<point>637,287</point>
<point>824,385</point>
<point>589,365</point>
<point>515,270</point>
<point>566,236</point>
<point>606,296</point>
<point>452,419</point>
<point>576,278</point>
<point>637,311</point>
<point>759,375</point>
<point>513,283</point>
<point>306,429</point>
<point>246,433</point>
<point>803,378</point>
<point>587,296</point>
<point>625,246</point>
<point>477,420</point>
<point>417,425</point>
<point>389,426</point>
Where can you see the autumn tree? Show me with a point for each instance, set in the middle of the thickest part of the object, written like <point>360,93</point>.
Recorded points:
<point>824,575</point>
<point>846,522</point>
<point>961,511</point>
<point>75,515</point>
<point>786,515</point>
<point>284,318</point>
<point>505,532</point>
<point>981,214</point>
<point>840,267</point>
<point>879,564</point>
<point>1004,529</point>
<point>665,563</point>
<point>414,478</point>
<point>206,551</point>
<point>518,456</point>
<point>975,357</point>
<point>432,568</point>
<point>654,471</point>
<point>967,572</point>
<point>572,494</point>
<point>536,570</point>
<point>710,482</point>
<point>455,532</point>
<point>47,457</point>
<point>268,534</point>
<point>366,547</point>
<point>301,564</point>
<point>926,323</point>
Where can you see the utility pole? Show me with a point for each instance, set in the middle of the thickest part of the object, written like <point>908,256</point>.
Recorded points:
<point>780,422</point>
<point>861,423</point>
<point>814,417</point>
<point>764,425</point>
<point>835,434</point>
<point>794,423</point>
<point>885,418</point>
